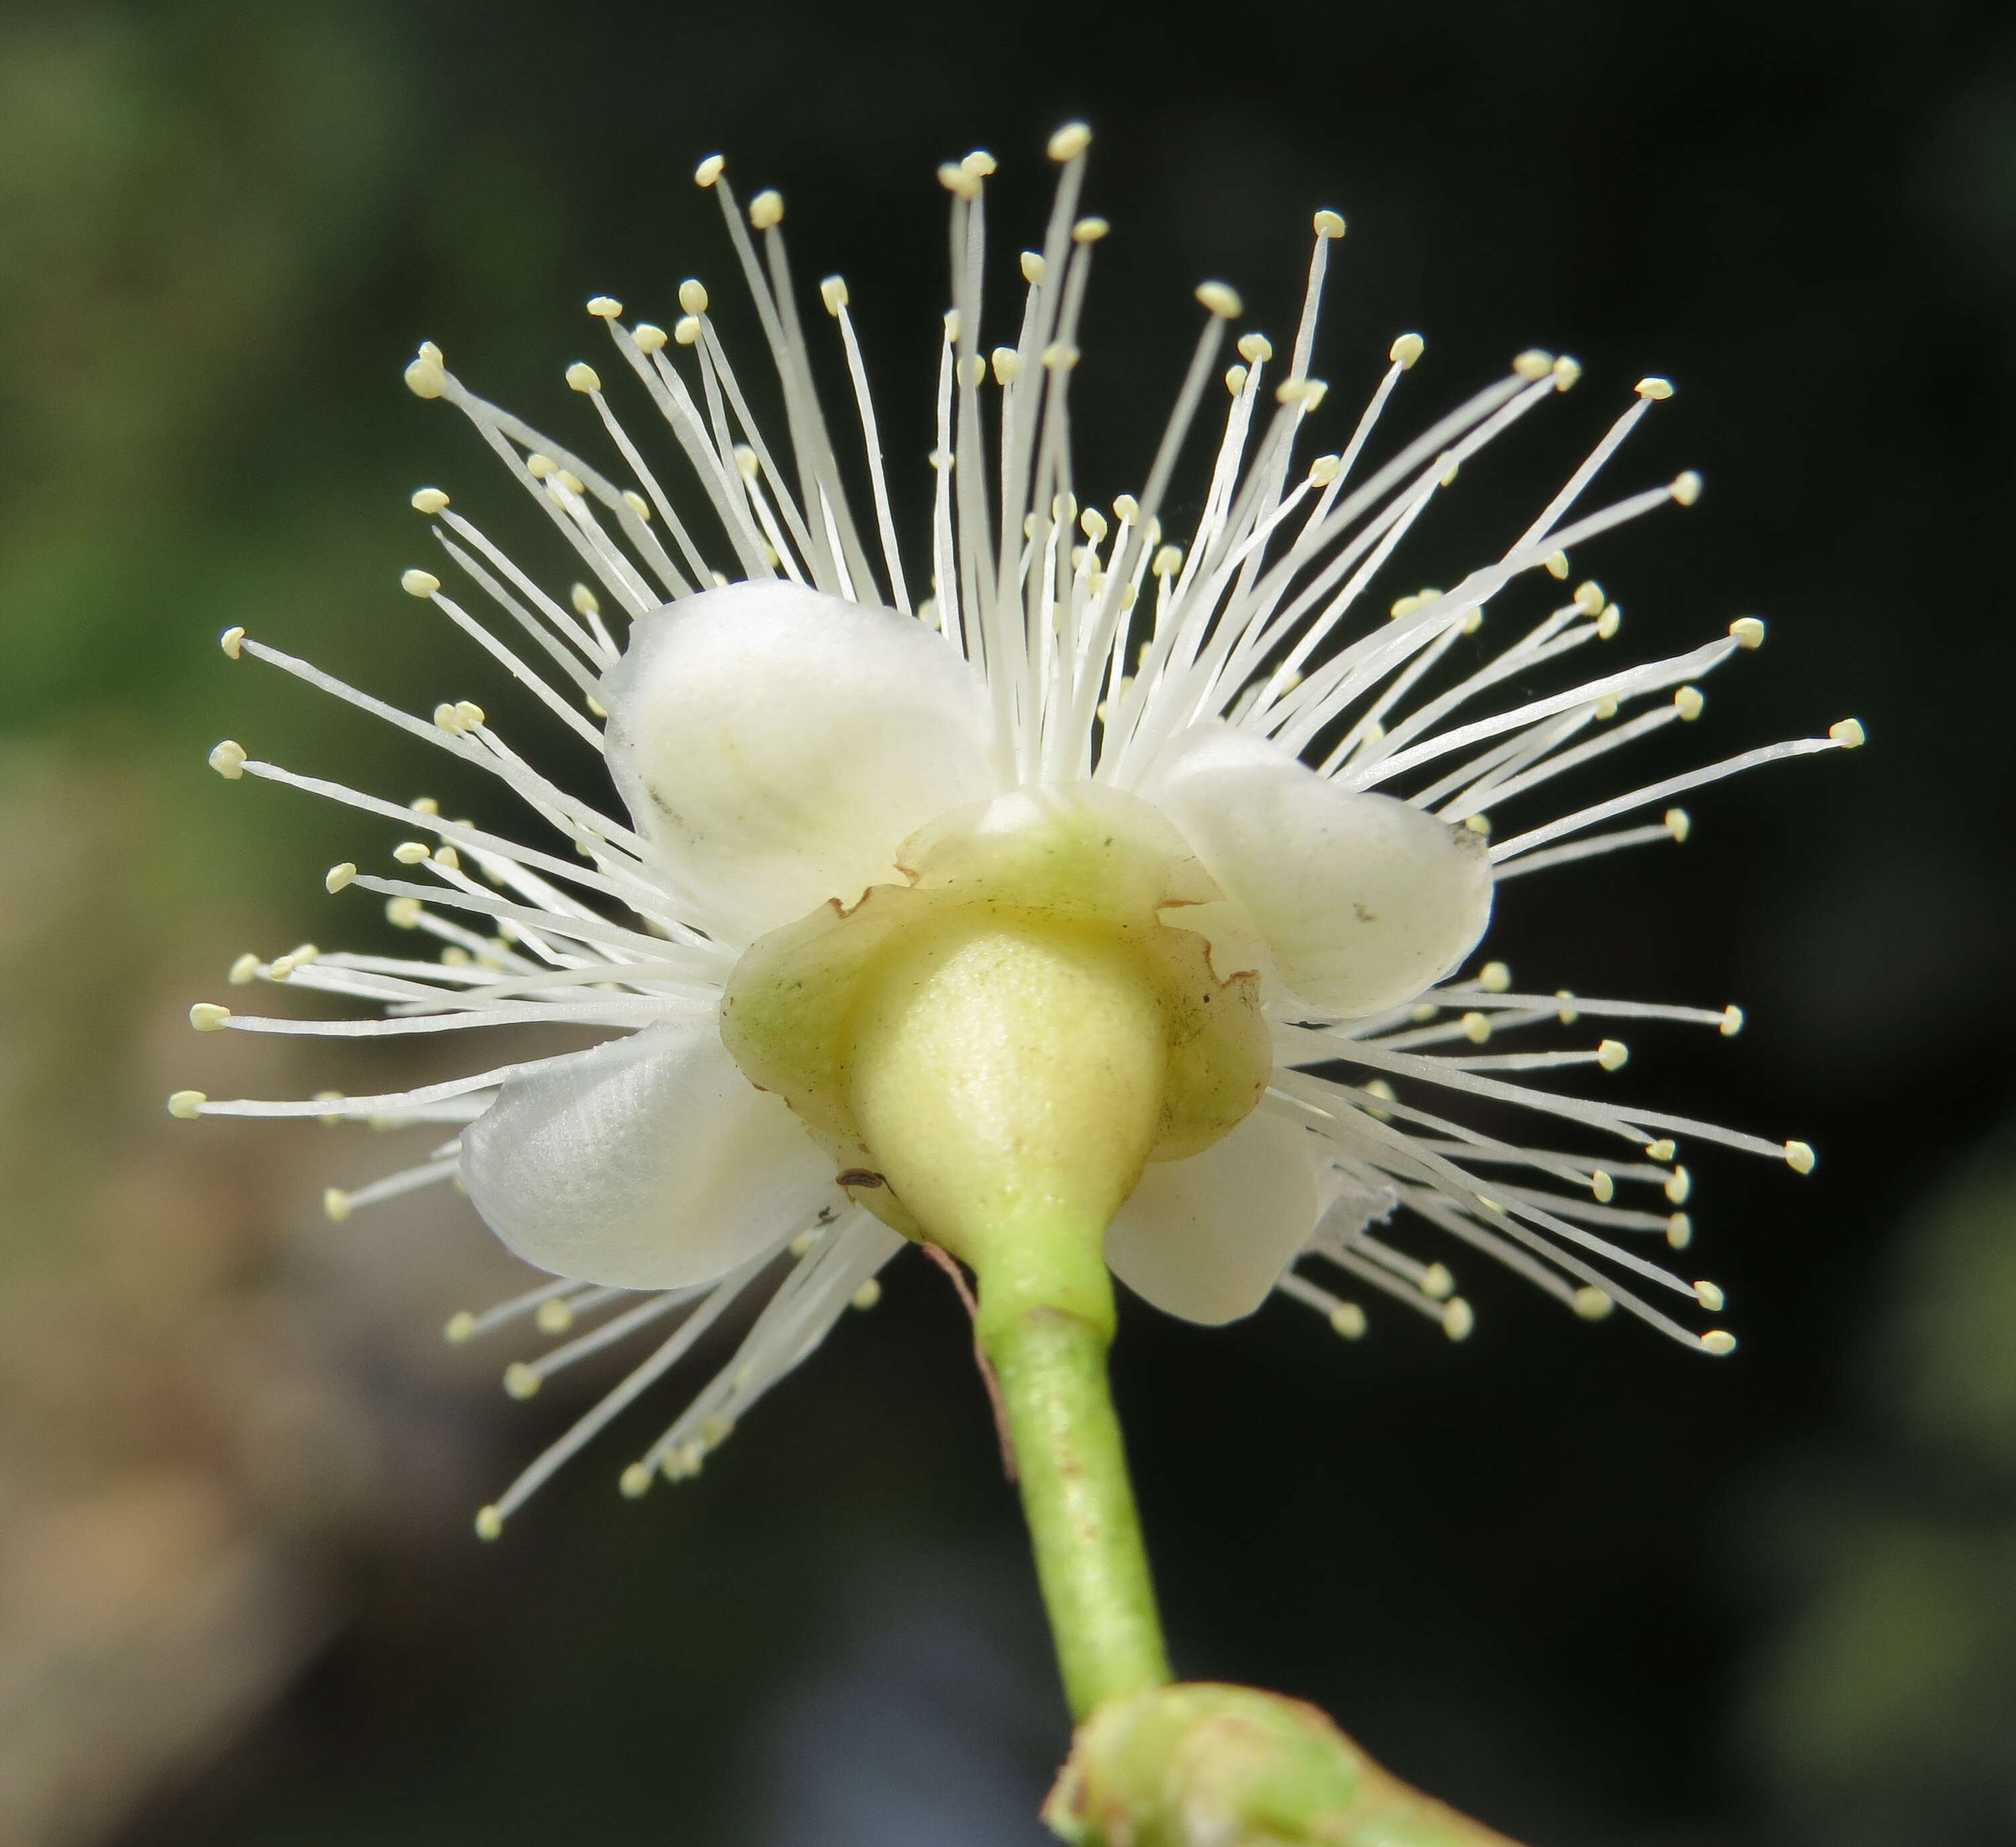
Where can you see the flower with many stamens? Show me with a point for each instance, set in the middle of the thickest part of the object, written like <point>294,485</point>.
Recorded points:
<point>1108,910</point>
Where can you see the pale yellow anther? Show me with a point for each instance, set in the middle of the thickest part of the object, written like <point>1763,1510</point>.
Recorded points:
<point>1606,708</point>
<point>1687,487</point>
<point>1611,1054</point>
<point>1533,363</point>
<point>1069,141</point>
<point>1689,702</point>
<point>597,709</point>
<point>1591,1304</point>
<point>685,331</point>
<point>1348,1319</point>
<point>206,1016</point>
<point>403,913</point>
<point>410,852</point>
<point>520,1381</point>
<point>637,504</point>
<point>1235,380</point>
<point>1656,389</point>
<point>868,1294</point>
<point>337,876</point>
<point>426,379</point>
<point>1324,469</point>
<point>1221,299</point>
<point>280,968</point>
<point>567,478</point>
<point>1458,1318</point>
<point>1406,351</point>
<point>459,1326</point>
<point>1800,1157</point>
<point>650,337</point>
<point>973,371</point>
<point>1848,732</point>
<point>469,712</point>
<point>1422,1012</point>
<point>1732,1020</point>
<point>1710,1297</point>
<point>1476,1028</point>
<point>419,583</point>
<point>1495,978</point>
<point>230,641</point>
<point>1566,371</point>
<point>958,181</point>
<point>1609,622</point>
<point>1566,1013</point>
<point>1090,230</point>
<point>1556,564</point>
<point>1602,1187</point>
<point>1589,597</point>
<point>244,971</point>
<point>424,804</point>
<point>1663,1149</point>
<point>448,719</point>
<point>1679,1231</point>
<point>634,1482</point>
<point>1480,824</point>
<point>1679,1183</point>
<point>229,759</point>
<point>1718,1342</point>
<point>584,600</point>
<point>1309,393</point>
<point>1168,561</point>
<point>185,1106</point>
<point>604,308</point>
<point>429,501</point>
<point>554,1316</point>
<point>1450,470</point>
<point>1060,356</point>
<point>766,209</point>
<point>1329,224</point>
<point>336,1204</point>
<point>1437,1282</point>
<point>1749,631</point>
<point>1092,523</point>
<point>431,353</point>
<point>541,467</point>
<point>979,164</point>
<point>489,1522</point>
<point>1034,267</point>
<point>710,170</point>
<point>1378,1087</point>
<point>448,858</point>
<point>832,292</point>
<point>1255,349</point>
<point>581,376</point>
<point>1007,365</point>
<point>1678,823</point>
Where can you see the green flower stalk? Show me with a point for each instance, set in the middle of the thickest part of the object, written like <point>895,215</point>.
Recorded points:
<point>1105,914</point>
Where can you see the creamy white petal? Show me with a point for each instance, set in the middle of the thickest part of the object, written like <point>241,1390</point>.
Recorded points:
<point>778,745</point>
<point>647,1163</point>
<point>1206,1237</point>
<point>1362,900</point>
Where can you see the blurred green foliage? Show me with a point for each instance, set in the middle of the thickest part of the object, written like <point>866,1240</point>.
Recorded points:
<point>1886,1712</point>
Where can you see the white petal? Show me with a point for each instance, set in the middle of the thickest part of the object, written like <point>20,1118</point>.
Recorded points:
<point>647,1163</point>
<point>1362,900</point>
<point>778,745</point>
<point>1206,1237</point>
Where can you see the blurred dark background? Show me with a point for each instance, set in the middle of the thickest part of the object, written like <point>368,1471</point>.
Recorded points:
<point>1570,1578</point>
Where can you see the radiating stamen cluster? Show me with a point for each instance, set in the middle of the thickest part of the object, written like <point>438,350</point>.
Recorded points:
<point>1102,639</point>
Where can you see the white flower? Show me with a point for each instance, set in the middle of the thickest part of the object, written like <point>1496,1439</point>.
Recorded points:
<point>1282,789</point>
